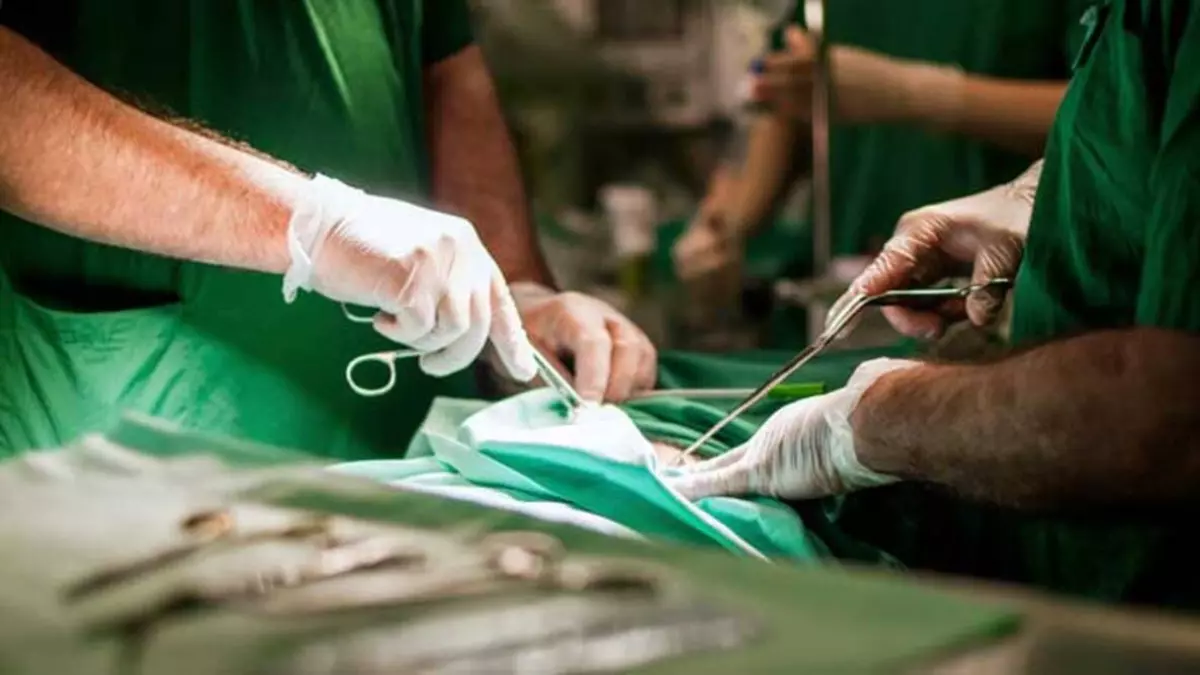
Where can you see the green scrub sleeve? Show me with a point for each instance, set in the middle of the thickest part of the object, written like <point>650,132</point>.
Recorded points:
<point>1169,295</point>
<point>447,29</point>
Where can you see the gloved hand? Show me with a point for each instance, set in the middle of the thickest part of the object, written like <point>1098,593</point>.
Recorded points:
<point>804,451</point>
<point>982,235</point>
<point>613,358</point>
<point>436,287</point>
<point>866,87</point>
<point>710,244</point>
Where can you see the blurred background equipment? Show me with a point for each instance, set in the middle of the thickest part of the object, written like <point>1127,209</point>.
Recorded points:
<point>609,99</point>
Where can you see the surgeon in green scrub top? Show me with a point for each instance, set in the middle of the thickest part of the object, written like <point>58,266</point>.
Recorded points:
<point>1084,444</point>
<point>933,99</point>
<point>141,256</point>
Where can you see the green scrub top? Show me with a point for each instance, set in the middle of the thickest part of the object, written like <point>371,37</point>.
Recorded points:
<point>1115,236</point>
<point>87,331</point>
<point>880,171</point>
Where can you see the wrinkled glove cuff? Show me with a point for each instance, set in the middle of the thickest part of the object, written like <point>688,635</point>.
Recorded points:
<point>853,474</point>
<point>324,205</point>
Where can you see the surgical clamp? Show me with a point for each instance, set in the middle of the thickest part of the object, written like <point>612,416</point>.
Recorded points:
<point>913,297</point>
<point>388,359</point>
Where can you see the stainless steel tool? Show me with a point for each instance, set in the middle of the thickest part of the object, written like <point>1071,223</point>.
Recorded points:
<point>822,225</point>
<point>915,297</point>
<point>388,359</point>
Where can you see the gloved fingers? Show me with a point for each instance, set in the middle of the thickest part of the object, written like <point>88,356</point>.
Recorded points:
<point>507,334</point>
<point>984,306</point>
<point>907,260</point>
<point>647,372</point>
<point>732,479</point>
<point>912,258</point>
<point>407,325</point>
<point>453,320</point>
<point>466,348</point>
<point>457,310</point>
<point>591,347</point>
<point>629,347</point>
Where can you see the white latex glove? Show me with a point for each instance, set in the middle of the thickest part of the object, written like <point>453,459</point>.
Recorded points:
<point>867,87</point>
<point>612,357</point>
<point>804,451</point>
<point>982,235</point>
<point>436,287</point>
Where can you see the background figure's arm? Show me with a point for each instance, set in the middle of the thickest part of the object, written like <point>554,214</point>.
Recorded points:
<point>772,163</point>
<point>79,161</point>
<point>475,168</point>
<point>1013,114</point>
<point>1105,419</point>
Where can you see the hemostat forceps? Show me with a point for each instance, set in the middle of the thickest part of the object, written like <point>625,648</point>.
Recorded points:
<point>914,297</point>
<point>388,359</point>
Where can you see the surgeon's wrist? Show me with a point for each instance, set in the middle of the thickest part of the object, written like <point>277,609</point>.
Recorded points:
<point>861,464</point>
<point>322,205</point>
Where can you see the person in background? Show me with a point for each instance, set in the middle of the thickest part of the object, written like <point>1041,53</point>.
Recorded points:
<point>932,99</point>
<point>1073,462</point>
<point>141,253</point>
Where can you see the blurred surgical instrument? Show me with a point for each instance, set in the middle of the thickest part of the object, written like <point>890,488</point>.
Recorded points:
<point>788,391</point>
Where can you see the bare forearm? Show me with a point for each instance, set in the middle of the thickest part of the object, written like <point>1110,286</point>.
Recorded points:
<point>79,161</point>
<point>475,170</point>
<point>766,175</point>
<point>1105,419</point>
<point>1012,114</point>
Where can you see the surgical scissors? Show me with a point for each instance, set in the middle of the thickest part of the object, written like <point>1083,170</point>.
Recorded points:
<point>838,322</point>
<point>388,359</point>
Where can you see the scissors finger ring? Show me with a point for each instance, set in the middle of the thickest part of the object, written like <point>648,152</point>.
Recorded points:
<point>388,360</point>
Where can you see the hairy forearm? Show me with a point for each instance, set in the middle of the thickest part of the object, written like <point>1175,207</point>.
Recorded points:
<point>81,162</point>
<point>1012,114</point>
<point>1105,419</point>
<point>475,169</point>
<point>767,173</point>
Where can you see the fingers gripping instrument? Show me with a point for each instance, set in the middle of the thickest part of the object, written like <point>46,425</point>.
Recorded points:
<point>915,298</point>
<point>388,359</point>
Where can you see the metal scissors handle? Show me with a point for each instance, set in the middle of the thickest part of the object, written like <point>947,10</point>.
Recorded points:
<point>388,359</point>
<point>548,372</point>
<point>918,297</point>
